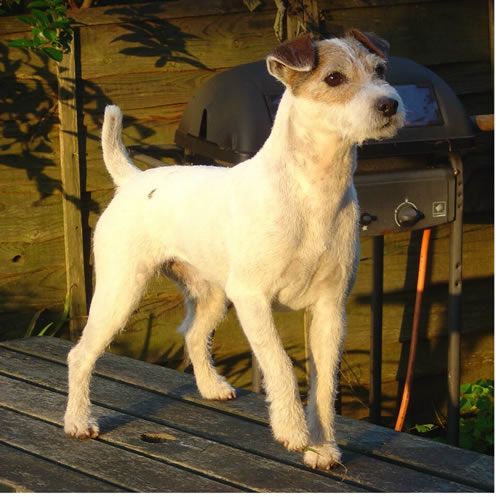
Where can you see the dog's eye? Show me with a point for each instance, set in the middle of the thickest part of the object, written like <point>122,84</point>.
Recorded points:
<point>335,79</point>
<point>380,71</point>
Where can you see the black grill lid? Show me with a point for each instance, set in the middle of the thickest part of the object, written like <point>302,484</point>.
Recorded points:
<point>231,115</point>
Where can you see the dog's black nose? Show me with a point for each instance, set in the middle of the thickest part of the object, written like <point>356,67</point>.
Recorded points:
<point>388,106</point>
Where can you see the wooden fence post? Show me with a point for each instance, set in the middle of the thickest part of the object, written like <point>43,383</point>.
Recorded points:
<point>71,190</point>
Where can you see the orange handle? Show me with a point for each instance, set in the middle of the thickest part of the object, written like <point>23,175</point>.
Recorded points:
<point>422,267</point>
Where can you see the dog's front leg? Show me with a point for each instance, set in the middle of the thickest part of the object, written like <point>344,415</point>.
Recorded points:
<point>326,339</point>
<point>286,412</point>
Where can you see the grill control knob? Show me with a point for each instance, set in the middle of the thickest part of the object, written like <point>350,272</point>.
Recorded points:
<point>407,214</point>
<point>366,218</point>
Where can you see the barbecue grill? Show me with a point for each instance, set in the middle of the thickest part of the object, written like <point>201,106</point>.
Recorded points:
<point>410,182</point>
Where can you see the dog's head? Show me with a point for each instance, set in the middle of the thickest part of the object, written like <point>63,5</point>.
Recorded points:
<point>340,84</point>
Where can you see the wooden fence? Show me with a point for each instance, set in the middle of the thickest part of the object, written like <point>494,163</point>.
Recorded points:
<point>149,58</point>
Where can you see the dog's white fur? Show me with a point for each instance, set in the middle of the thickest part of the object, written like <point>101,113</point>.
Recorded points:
<point>279,229</point>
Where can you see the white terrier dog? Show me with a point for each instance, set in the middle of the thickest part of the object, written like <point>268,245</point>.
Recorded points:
<point>278,229</point>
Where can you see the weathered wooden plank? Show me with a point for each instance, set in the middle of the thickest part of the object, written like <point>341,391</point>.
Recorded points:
<point>354,4</point>
<point>24,64</point>
<point>438,459</point>
<point>43,284</point>
<point>466,78</point>
<point>116,466</point>
<point>203,456</point>
<point>478,103</point>
<point>24,472</point>
<point>32,273</point>
<point>450,33</point>
<point>28,218</point>
<point>27,105</point>
<point>28,158</point>
<point>33,175</point>
<point>158,10</point>
<point>19,257</point>
<point>30,280</point>
<point>362,470</point>
<point>130,92</point>
<point>176,45</point>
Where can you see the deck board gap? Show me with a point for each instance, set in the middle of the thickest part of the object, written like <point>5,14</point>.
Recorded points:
<point>66,466</point>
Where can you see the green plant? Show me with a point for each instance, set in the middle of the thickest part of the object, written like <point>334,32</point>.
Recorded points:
<point>476,418</point>
<point>51,31</point>
<point>54,327</point>
<point>425,428</point>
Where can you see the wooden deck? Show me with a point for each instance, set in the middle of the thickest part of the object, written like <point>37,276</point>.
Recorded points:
<point>204,446</point>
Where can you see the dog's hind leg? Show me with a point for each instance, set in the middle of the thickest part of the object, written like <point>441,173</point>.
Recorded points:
<point>119,285</point>
<point>206,306</point>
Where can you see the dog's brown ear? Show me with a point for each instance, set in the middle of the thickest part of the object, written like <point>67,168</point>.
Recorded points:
<point>371,41</point>
<point>292,56</point>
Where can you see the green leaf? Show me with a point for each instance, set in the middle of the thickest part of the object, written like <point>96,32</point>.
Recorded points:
<point>38,4</point>
<point>425,428</point>
<point>37,41</point>
<point>466,441</point>
<point>53,53</point>
<point>42,332</point>
<point>466,427</point>
<point>27,19</point>
<point>50,34</point>
<point>61,23</point>
<point>63,318</point>
<point>41,17</point>
<point>21,43</point>
<point>31,326</point>
<point>465,406</point>
<point>484,403</point>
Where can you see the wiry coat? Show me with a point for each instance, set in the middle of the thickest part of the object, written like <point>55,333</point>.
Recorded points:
<point>280,229</point>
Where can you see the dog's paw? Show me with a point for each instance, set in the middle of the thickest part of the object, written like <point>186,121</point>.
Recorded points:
<point>322,456</point>
<point>295,442</point>
<point>295,438</point>
<point>290,428</point>
<point>81,429</point>
<point>218,389</point>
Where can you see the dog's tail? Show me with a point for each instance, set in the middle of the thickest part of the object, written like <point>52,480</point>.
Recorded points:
<point>116,158</point>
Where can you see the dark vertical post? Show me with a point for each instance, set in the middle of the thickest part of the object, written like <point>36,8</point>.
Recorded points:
<point>455,306</point>
<point>376,328</point>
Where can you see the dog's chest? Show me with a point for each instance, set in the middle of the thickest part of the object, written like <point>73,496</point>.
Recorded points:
<point>326,246</point>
